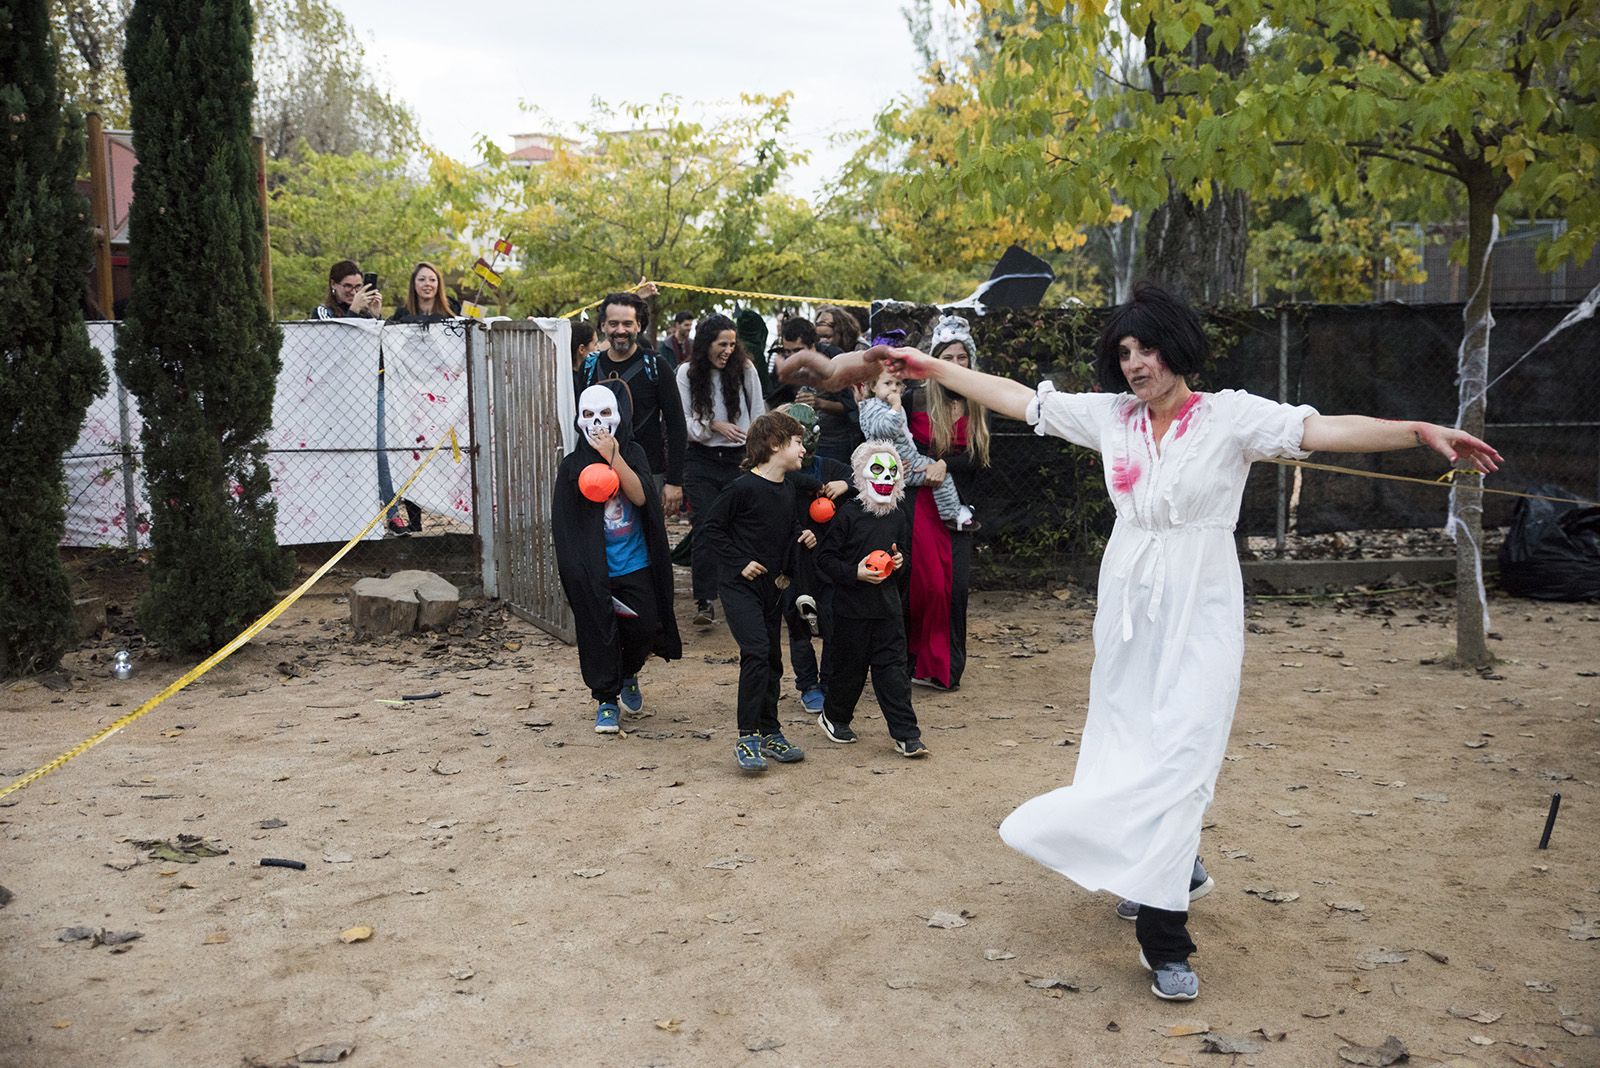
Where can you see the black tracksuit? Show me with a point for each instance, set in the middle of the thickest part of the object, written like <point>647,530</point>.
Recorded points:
<point>868,630</point>
<point>755,519</point>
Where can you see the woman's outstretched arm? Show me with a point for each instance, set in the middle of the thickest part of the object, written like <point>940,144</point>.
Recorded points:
<point>999,395</point>
<point>1361,433</point>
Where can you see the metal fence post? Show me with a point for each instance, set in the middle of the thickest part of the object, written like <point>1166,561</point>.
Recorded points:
<point>130,491</point>
<point>483,510</point>
<point>1283,398</point>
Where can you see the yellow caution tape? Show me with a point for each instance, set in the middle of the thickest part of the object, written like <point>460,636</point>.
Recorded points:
<point>228,650</point>
<point>1446,480</point>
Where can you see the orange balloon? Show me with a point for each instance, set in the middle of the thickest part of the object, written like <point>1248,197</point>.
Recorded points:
<point>880,561</point>
<point>598,482</point>
<point>822,510</point>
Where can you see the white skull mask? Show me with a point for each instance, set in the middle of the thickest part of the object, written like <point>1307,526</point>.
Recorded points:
<point>597,411</point>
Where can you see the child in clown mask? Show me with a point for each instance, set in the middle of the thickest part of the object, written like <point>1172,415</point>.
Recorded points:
<point>868,631</point>
<point>613,560</point>
<point>883,417</point>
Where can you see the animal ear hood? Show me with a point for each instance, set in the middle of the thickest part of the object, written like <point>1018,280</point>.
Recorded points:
<point>879,476</point>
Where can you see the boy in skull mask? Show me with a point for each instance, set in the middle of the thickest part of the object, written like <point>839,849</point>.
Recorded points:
<point>613,559</point>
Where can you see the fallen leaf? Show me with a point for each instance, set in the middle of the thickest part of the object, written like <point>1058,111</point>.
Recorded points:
<point>355,934</point>
<point>461,975</point>
<point>589,873</point>
<point>901,982</point>
<point>271,825</point>
<point>730,863</point>
<point>1439,957</point>
<point>948,920</point>
<point>1573,1027</point>
<point>1228,1044</point>
<point>1069,985</point>
<point>1371,958</point>
<point>998,954</point>
<point>62,1025</point>
<point>1584,930</point>
<point>215,938</point>
<point>1483,1016</point>
<point>327,1053</point>
<point>1480,1040</point>
<point>1182,1060</point>
<point>1528,1058</point>
<point>1184,1028</point>
<point>722,917</point>
<point>337,858</point>
<point>1345,906</point>
<point>671,1026</point>
<point>1277,897</point>
<point>1539,986</point>
<point>439,769</point>
<point>1441,798</point>
<point>758,1045</point>
<point>1392,1051</point>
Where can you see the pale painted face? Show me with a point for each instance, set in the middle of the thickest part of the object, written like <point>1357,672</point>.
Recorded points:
<point>597,411</point>
<point>721,350</point>
<point>883,473</point>
<point>1147,373</point>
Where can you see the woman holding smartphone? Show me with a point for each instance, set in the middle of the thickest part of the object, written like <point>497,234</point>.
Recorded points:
<point>350,295</point>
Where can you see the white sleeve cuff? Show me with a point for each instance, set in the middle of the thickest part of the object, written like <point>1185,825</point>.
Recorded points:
<point>1032,415</point>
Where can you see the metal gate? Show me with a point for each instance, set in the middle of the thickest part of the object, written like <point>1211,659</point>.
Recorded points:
<point>530,376</point>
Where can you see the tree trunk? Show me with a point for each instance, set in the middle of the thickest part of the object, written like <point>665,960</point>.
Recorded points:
<point>1197,251</point>
<point>1466,515</point>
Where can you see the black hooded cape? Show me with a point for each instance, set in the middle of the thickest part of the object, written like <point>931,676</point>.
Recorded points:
<point>578,527</point>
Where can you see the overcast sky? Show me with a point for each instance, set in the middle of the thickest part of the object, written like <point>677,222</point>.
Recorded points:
<point>465,71</point>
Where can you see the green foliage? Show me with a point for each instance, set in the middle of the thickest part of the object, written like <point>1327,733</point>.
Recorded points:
<point>48,372</point>
<point>199,349</point>
<point>324,208</point>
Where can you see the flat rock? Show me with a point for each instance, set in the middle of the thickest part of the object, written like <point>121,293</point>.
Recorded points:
<point>403,602</point>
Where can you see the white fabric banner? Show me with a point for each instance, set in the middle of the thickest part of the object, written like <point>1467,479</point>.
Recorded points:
<point>323,443</point>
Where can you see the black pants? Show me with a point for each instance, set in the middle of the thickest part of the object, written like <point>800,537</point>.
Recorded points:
<point>856,646</point>
<point>706,473</point>
<point>754,611</point>
<point>605,668</point>
<point>1163,935</point>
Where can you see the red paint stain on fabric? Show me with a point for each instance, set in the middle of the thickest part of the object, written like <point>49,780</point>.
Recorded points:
<point>1185,414</point>
<point>1124,475</point>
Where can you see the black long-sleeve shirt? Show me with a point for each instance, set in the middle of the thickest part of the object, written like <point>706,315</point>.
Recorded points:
<point>852,535</point>
<point>658,424</point>
<point>755,519</point>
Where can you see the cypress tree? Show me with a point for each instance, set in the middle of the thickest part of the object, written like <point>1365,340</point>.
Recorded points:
<point>48,371</point>
<point>199,348</point>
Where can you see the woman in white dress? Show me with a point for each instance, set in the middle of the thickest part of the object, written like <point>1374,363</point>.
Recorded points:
<point>1169,629</point>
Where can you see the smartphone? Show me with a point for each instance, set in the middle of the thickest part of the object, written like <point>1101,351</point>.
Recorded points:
<point>369,280</point>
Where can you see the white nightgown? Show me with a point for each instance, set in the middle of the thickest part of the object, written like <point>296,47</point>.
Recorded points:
<point>1168,638</point>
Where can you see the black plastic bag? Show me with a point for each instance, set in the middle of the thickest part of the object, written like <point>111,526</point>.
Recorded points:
<point>1552,551</point>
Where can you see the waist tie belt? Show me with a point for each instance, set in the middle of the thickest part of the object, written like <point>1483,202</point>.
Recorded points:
<point>1152,549</point>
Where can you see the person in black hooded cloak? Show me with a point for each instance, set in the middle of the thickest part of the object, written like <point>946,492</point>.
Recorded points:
<point>613,558</point>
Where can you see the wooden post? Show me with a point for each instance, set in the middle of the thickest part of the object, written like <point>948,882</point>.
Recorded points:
<point>100,210</point>
<point>266,230</point>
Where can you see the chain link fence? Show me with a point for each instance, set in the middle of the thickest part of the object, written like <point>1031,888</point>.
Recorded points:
<point>358,406</point>
<point>1043,502</point>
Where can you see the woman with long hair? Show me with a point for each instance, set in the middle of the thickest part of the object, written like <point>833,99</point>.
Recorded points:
<point>953,431</point>
<point>348,296</point>
<point>838,328</point>
<point>425,297</point>
<point>721,394</point>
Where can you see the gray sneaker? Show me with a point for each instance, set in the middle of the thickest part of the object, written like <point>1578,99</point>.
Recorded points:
<point>1172,980</point>
<point>1200,884</point>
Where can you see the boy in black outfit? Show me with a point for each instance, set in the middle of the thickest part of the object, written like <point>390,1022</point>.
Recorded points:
<point>806,608</point>
<point>753,527</point>
<point>868,631</point>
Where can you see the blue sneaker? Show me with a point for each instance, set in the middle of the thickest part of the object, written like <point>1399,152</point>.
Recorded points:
<point>1172,980</point>
<point>779,748</point>
<point>812,699</point>
<point>607,718</point>
<point>747,751</point>
<point>632,699</point>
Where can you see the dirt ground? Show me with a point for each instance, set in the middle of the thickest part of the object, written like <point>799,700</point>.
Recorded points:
<point>539,895</point>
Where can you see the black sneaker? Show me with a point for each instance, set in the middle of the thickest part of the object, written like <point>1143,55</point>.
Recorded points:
<point>705,613</point>
<point>910,747</point>
<point>836,732</point>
